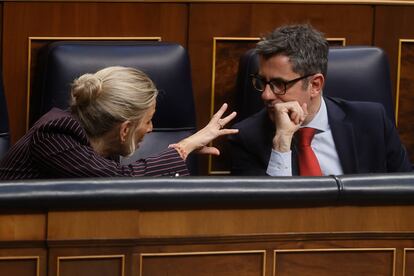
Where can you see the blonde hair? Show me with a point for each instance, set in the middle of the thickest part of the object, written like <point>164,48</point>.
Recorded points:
<point>111,96</point>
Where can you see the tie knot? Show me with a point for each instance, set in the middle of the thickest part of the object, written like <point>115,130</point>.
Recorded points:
<point>305,136</point>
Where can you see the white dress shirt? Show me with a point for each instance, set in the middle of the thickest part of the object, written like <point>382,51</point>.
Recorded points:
<point>280,163</point>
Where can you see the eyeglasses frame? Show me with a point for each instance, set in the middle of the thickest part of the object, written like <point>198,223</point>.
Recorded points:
<point>284,82</point>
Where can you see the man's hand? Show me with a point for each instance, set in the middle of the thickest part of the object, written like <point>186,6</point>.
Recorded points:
<point>288,117</point>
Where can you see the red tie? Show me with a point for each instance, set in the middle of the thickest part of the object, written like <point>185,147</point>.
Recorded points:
<point>308,163</point>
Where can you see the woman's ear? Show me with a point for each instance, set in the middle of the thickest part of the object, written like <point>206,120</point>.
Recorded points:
<point>124,130</point>
<point>317,83</point>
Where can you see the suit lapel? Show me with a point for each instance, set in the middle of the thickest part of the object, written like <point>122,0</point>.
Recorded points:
<point>265,146</point>
<point>343,136</point>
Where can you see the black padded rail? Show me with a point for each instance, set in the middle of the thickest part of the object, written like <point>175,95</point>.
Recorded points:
<point>392,188</point>
<point>208,192</point>
<point>189,192</point>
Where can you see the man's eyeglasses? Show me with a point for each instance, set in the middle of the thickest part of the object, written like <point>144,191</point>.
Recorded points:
<point>278,86</point>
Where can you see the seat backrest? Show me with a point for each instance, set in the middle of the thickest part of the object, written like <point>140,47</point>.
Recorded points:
<point>354,73</point>
<point>167,64</point>
<point>4,122</point>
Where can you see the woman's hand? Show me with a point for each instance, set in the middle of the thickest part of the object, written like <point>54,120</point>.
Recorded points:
<point>198,142</point>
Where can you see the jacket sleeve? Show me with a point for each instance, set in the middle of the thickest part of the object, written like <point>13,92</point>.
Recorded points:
<point>397,156</point>
<point>62,154</point>
<point>243,162</point>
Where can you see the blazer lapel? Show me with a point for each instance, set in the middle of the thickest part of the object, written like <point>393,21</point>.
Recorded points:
<point>266,144</point>
<point>343,136</point>
<point>257,134</point>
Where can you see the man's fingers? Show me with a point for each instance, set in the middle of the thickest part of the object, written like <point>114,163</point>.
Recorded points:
<point>305,109</point>
<point>297,116</point>
<point>296,113</point>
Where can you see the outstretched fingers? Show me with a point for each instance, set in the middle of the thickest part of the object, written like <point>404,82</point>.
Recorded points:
<point>214,129</point>
<point>224,121</point>
<point>217,121</point>
<point>220,112</point>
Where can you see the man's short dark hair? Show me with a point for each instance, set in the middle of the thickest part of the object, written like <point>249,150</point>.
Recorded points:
<point>305,46</point>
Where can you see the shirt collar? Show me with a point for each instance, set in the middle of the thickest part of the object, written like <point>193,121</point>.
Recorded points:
<point>320,121</point>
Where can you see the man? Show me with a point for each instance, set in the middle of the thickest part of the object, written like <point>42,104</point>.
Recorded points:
<point>348,137</point>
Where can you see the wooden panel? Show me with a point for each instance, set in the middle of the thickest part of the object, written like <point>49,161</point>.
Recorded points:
<point>23,258</point>
<point>329,243</point>
<point>340,262</point>
<point>409,261</point>
<point>226,55</point>
<point>405,96</point>
<point>204,264</point>
<point>391,25</point>
<point>26,19</point>
<point>336,42</point>
<point>91,266</point>
<point>1,34</point>
<point>19,266</point>
<point>233,242</point>
<point>100,255</point>
<point>283,220</point>
<point>209,20</point>
<point>15,227</point>
<point>93,224</point>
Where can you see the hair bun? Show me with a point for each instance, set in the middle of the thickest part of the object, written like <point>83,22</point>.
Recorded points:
<point>86,89</point>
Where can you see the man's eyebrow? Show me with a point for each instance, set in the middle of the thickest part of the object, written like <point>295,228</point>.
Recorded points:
<point>279,79</point>
<point>272,79</point>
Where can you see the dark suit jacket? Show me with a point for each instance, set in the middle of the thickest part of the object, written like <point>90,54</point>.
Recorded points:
<point>365,139</point>
<point>57,146</point>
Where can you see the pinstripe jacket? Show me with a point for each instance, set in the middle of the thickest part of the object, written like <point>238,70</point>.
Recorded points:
<point>57,147</point>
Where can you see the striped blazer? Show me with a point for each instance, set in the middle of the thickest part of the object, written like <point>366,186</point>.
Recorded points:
<point>57,147</point>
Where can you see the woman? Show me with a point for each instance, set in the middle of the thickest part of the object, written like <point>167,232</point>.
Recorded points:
<point>110,113</point>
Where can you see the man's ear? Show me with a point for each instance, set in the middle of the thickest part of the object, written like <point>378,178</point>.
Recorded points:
<point>124,129</point>
<point>316,84</point>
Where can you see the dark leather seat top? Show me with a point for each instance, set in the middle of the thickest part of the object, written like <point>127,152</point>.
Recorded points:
<point>208,192</point>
